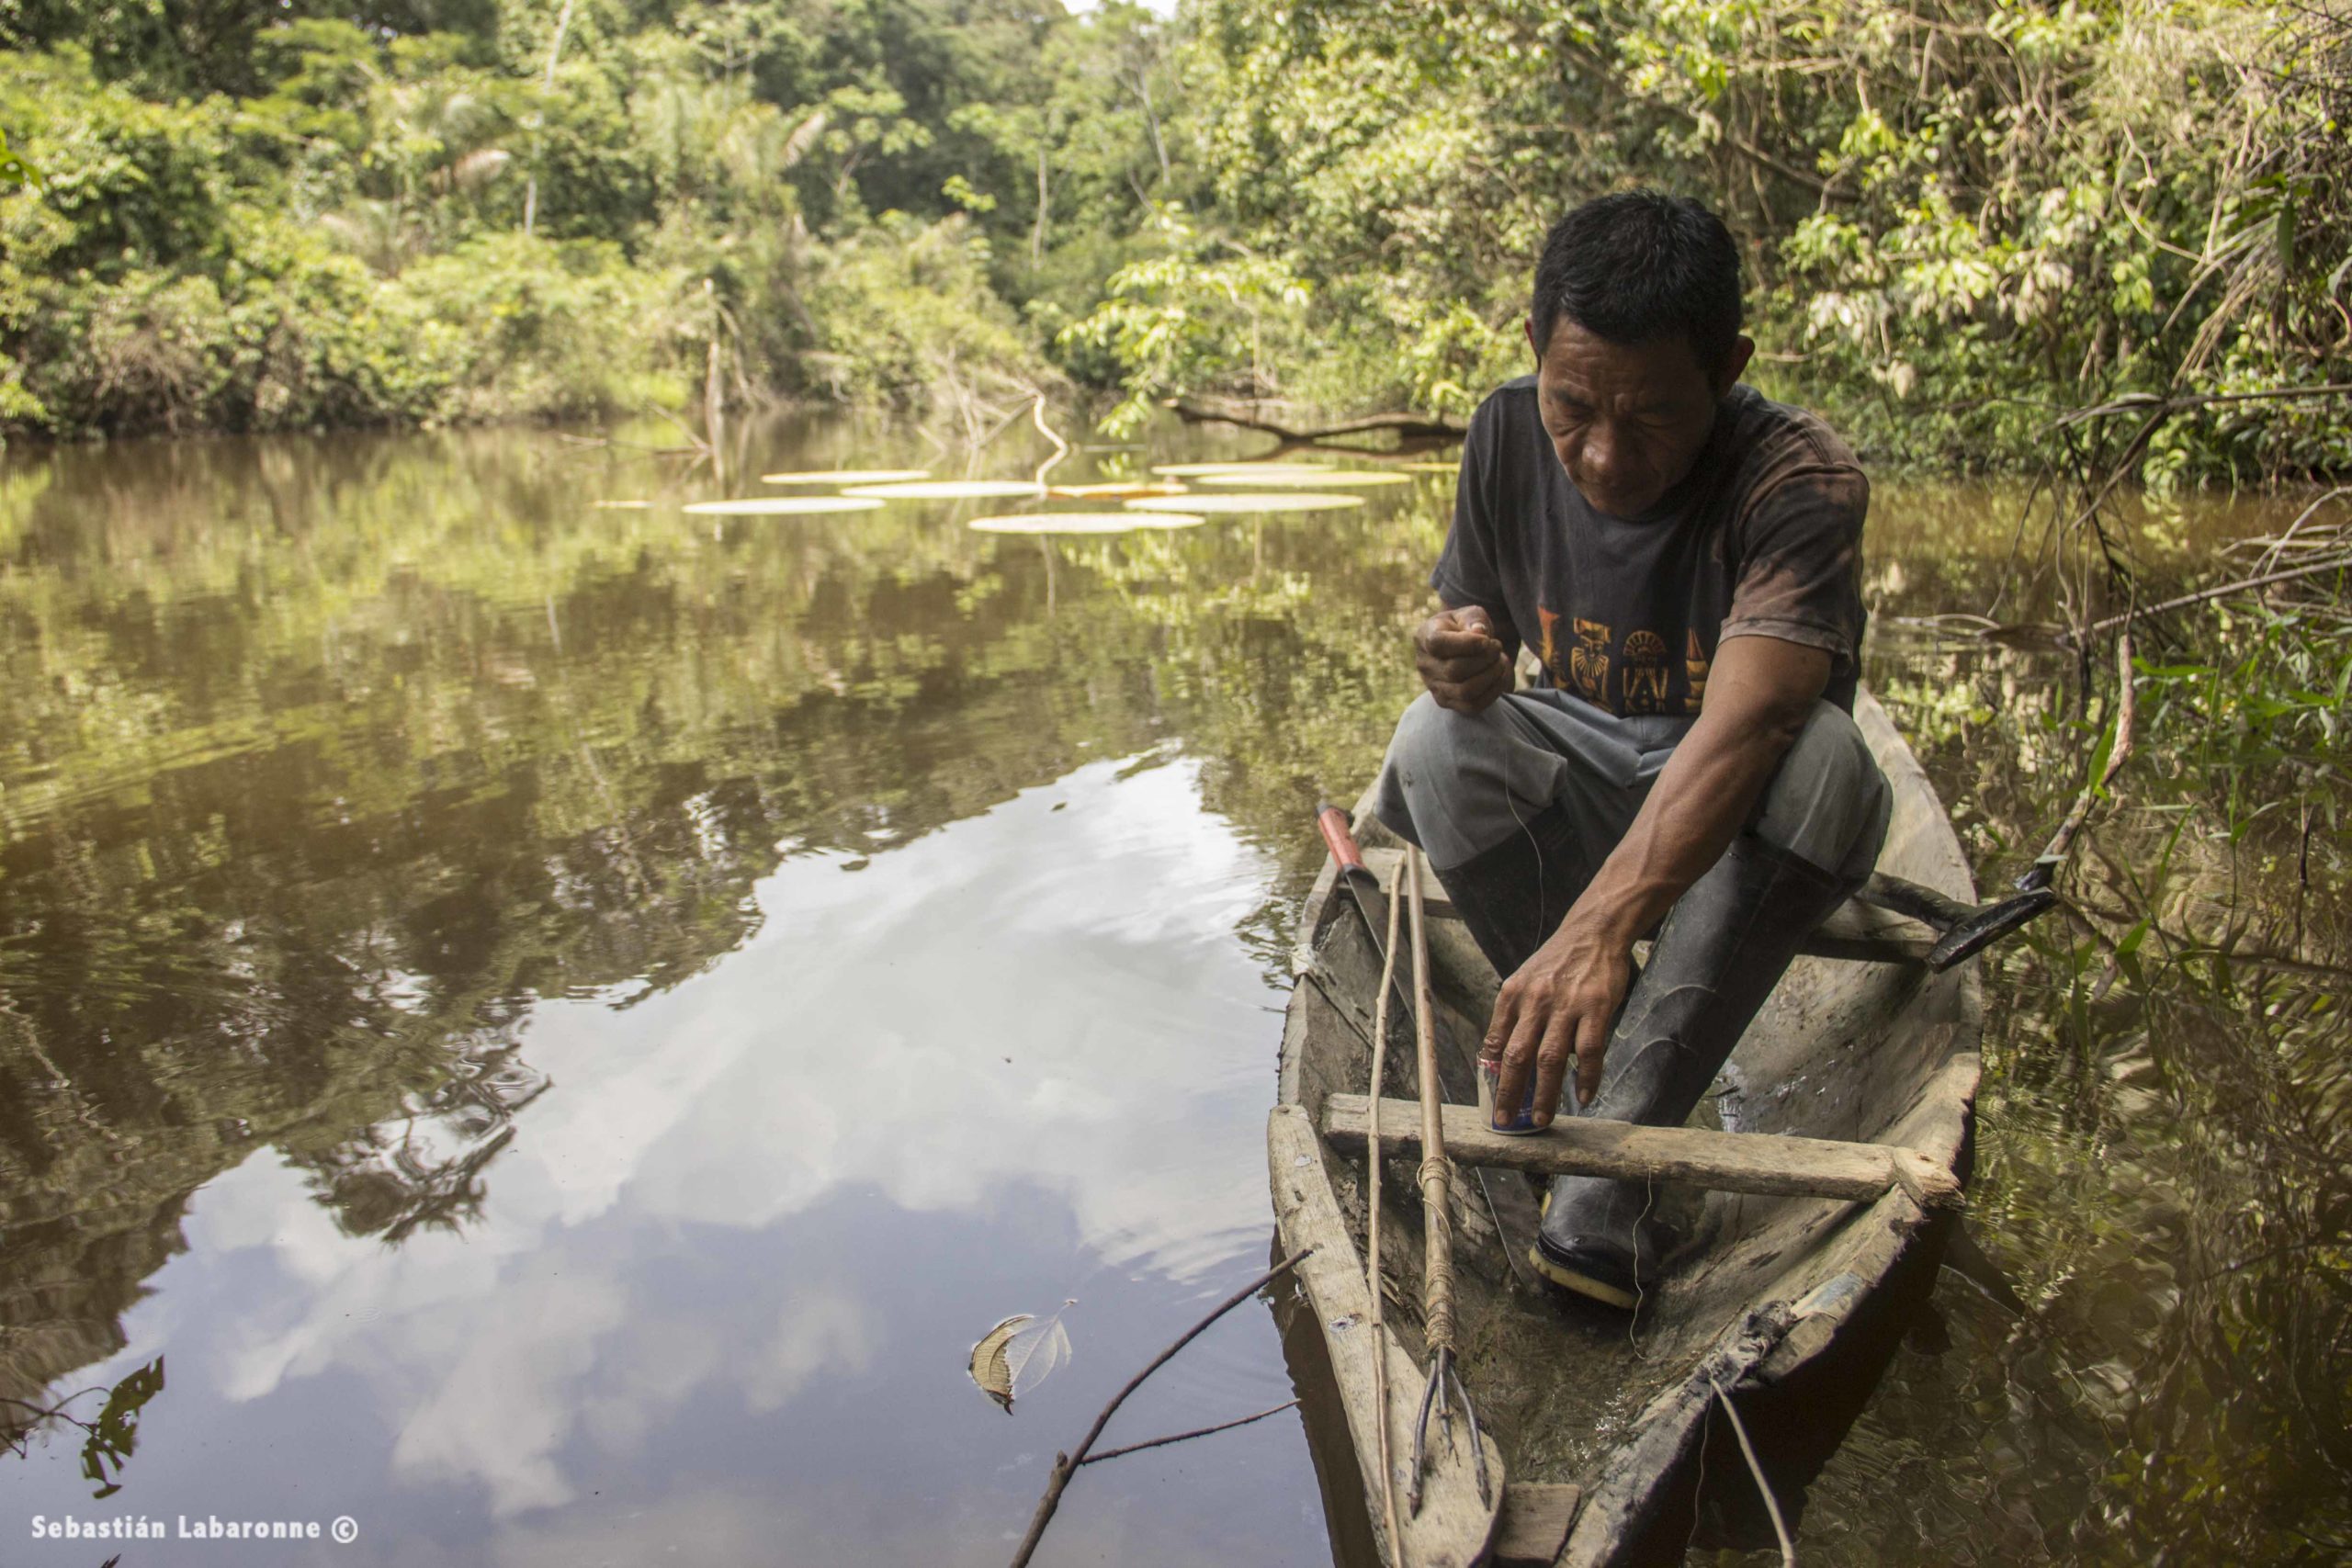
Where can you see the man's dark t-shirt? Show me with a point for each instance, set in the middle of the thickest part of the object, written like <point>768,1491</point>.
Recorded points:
<point>1763,538</point>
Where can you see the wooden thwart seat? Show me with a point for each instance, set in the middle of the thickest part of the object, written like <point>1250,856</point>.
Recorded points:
<point>1728,1161</point>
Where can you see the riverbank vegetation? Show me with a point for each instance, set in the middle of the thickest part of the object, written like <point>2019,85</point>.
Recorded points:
<point>1960,224</point>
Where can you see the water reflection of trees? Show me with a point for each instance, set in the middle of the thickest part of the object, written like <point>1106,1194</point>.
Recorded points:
<point>325,762</point>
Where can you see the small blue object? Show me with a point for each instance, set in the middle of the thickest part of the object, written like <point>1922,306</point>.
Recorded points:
<point>1490,1077</point>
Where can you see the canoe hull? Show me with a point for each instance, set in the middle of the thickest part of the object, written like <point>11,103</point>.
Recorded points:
<point>1766,1295</point>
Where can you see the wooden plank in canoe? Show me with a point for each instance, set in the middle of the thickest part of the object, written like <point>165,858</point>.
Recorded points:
<point>1727,1162</point>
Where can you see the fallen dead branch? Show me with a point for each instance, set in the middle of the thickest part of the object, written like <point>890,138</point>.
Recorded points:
<point>2246,584</point>
<point>1411,426</point>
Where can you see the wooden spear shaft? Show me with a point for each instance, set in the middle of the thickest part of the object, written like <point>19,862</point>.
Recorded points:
<point>1372,1238</point>
<point>1437,1171</point>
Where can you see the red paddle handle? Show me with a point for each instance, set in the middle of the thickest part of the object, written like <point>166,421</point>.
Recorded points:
<point>1332,823</point>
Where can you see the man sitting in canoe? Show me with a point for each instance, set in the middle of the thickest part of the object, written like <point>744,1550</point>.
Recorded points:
<point>1684,557</point>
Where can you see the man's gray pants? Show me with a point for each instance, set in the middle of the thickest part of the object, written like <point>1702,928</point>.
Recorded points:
<point>1458,784</point>
<point>1464,785</point>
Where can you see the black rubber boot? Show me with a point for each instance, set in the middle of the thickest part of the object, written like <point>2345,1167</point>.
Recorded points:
<point>1722,948</point>
<point>1515,896</point>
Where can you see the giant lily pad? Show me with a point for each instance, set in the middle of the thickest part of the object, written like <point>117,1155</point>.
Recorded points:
<point>1311,478</point>
<point>1087,522</point>
<point>1120,491</point>
<point>1284,500</point>
<point>947,490</point>
<point>846,477</point>
<point>779,505</point>
<point>1195,470</point>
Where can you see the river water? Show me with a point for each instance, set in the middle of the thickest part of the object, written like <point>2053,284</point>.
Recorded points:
<point>561,1024</point>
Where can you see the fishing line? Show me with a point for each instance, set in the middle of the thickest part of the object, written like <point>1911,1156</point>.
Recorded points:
<point>1511,800</point>
<point>1649,1197</point>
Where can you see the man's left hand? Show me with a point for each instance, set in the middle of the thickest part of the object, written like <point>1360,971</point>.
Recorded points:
<point>1560,1005</point>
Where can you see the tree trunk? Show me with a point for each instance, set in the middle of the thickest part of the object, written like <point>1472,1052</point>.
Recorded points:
<point>555,52</point>
<point>1037,235</point>
<point>714,390</point>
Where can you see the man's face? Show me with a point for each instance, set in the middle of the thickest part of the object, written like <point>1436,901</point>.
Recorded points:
<point>1628,421</point>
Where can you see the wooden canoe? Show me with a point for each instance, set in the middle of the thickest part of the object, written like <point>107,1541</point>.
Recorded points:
<point>1593,1421</point>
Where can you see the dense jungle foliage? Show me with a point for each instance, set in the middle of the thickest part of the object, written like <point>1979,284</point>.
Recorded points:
<point>1961,217</point>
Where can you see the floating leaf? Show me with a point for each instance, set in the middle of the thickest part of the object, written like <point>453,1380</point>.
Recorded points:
<point>776,506</point>
<point>947,490</point>
<point>1020,1353</point>
<point>1119,492</point>
<point>845,477</point>
<point>1307,478</point>
<point>1295,501</point>
<point>1086,522</point>
<point>1195,470</point>
<point>989,1371</point>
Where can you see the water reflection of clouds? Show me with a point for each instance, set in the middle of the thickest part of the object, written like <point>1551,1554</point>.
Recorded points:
<point>862,1035</point>
<point>855,1052</point>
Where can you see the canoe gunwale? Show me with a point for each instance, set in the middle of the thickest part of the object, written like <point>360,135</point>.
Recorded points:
<point>1776,1339</point>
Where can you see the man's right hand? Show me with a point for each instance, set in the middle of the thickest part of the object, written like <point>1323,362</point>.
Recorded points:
<point>1461,659</point>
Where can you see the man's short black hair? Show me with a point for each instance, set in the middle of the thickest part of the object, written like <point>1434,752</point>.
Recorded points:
<point>1638,266</point>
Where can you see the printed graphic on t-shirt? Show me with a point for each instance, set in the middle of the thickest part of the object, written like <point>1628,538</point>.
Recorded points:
<point>1589,665</point>
<point>1645,672</point>
<point>1644,678</point>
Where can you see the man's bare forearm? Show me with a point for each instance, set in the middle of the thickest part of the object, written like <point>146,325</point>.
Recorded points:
<point>1758,700</point>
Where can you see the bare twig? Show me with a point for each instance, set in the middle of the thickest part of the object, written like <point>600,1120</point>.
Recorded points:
<point>692,434</point>
<point>1065,1465</point>
<point>56,1412</point>
<point>2328,539</point>
<point>2339,563</point>
<point>1184,1436</point>
<point>2147,402</point>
